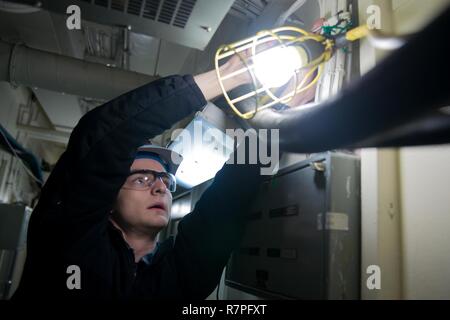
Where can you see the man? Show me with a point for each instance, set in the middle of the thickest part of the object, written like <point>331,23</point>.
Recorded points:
<point>104,204</point>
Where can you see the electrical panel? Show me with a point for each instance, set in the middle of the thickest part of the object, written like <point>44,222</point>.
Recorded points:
<point>302,239</point>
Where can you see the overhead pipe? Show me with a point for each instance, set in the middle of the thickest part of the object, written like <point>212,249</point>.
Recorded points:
<point>22,65</point>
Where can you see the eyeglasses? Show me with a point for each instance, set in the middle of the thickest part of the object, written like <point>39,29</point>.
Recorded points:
<point>142,180</point>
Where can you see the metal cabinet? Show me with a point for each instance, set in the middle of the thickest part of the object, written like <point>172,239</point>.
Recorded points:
<point>302,239</point>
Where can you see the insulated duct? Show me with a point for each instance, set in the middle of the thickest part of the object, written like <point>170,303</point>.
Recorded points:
<point>36,68</point>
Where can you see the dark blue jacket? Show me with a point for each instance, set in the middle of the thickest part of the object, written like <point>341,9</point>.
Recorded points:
<point>70,225</point>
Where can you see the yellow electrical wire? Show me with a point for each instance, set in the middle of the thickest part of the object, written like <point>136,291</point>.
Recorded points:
<point>297,88</point>
<point>357,33</point>
<point>250,114</point>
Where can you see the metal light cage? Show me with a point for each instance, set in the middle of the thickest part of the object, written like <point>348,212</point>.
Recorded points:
<point>282,37</point>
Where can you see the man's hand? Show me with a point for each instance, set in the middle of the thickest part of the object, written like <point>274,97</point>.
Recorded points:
<point>304,96</point>
<point>209,83</point>
<point>210,87</point>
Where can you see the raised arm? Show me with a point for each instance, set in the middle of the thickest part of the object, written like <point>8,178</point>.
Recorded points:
<point>207,236</point>
<point>87,178</point>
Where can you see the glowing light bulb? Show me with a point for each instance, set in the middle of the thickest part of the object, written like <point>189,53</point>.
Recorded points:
<point>275,67</point>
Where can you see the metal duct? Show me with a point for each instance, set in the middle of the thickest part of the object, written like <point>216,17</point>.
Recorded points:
<point>36,68</point>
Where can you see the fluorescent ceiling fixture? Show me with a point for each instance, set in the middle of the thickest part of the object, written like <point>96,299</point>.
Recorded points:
<point>181,207</point>
<point>204,148</point>
<point>275,67</point>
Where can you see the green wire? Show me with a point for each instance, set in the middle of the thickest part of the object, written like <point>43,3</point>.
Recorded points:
<point>328,30</point>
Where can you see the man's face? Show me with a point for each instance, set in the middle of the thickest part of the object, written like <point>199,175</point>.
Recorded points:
<point>147,210</point>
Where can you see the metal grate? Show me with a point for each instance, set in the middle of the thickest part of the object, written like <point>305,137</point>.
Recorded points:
<point>184,12</point>
<point>167,11</point>
<point>248,9</point>
<point>134,7</point>
<point>102,3</point>
<point>118,5</point>
<point>171,12</point>
<point>151,9</point>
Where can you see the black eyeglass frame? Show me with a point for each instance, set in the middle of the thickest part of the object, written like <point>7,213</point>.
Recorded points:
<point>158,175</point>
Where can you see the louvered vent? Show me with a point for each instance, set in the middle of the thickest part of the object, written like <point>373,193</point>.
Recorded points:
<point>171,12</point>
<point>248,9</point>
<point>118,5</point>
<point>190,23</point>
<point>134,7</point>
<point>103,3</point>
<point>183,13</point>
<point>151,9</point>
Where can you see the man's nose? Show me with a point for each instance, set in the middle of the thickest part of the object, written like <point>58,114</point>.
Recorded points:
<point>158,186</point>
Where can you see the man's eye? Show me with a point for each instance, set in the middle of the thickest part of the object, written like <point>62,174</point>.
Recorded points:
<point>140,180</point>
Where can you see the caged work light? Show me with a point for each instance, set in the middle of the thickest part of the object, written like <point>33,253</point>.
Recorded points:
<point>282,63</point>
